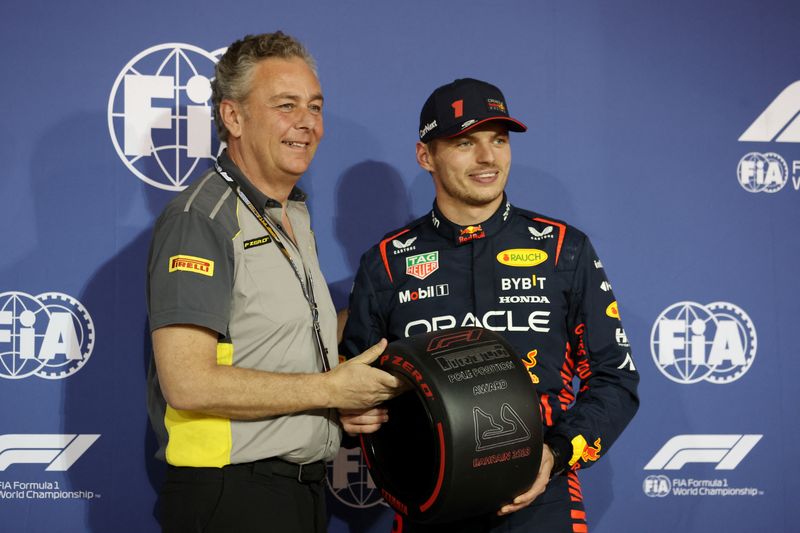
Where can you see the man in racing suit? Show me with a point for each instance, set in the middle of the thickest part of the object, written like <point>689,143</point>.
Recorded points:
<point>477,260</point>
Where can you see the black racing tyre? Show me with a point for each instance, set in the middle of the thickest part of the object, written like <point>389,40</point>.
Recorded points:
<point>467,438</point>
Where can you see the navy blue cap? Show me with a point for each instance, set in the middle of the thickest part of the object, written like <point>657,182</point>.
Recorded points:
<point>459,106</point>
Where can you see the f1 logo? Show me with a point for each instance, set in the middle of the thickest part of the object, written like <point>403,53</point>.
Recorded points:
<point>58,452</point>
<point>445,341</point>
<point>726,451</point>
<point>778,121</point>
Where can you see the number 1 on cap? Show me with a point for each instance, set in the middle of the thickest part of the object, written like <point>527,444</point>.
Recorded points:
<point>458,107</point>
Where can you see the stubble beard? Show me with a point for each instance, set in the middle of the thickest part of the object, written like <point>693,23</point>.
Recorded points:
<point>469,198</point>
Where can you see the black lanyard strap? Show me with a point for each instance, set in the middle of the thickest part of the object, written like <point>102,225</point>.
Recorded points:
<point>307,287</point>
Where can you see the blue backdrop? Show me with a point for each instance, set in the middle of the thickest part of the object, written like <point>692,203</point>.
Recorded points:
<point>665,130</point>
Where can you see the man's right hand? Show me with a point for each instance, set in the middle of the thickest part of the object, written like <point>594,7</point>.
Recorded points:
<point>538,487</point>
<point>354,384</point>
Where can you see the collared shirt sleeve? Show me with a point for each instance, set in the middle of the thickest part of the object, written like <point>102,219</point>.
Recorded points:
<point>190,272</point>
<point>607,397</point>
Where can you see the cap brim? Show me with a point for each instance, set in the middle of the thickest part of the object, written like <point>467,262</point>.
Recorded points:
<point>513,125</point>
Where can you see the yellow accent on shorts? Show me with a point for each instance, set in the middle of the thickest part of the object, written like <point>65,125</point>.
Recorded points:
<point>197,439</point>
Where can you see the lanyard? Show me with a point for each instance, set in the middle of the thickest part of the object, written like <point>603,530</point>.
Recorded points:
<point>307,287</point>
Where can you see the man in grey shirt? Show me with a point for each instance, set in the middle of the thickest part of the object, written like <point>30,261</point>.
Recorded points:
<point>244,393</point>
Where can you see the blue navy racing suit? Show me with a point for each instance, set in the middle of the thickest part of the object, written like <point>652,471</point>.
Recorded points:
<point>539,283</point>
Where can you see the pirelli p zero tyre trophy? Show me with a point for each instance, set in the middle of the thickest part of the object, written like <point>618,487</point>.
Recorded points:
<point>467,438</point>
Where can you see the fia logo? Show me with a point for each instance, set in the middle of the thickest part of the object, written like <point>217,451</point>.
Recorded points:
<point>691,342</point>
<point>165,144</point>
<point>657,486</point>
<point>50,335</point>
<point>350,482</point>
<point>763,172</point>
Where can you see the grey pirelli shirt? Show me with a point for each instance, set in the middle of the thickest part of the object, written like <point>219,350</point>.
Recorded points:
<point>213,265</point>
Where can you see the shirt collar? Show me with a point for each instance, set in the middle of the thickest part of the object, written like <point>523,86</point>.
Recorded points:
<point>464,234</point>
<point>256,196</point>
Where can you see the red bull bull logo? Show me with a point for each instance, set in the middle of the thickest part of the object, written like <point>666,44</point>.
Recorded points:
<point>470,233</point>
<point>583,451</point>
<point>591,453</point>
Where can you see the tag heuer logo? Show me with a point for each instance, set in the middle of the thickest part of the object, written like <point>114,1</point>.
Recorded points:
<point>423,265</point>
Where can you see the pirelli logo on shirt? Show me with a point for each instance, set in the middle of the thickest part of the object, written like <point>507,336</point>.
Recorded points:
<point>189,263</point>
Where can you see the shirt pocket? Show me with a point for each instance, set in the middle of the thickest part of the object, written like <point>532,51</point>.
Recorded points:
<point>271,287</point>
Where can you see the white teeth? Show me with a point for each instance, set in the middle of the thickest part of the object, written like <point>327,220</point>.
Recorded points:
<point>297,144</point>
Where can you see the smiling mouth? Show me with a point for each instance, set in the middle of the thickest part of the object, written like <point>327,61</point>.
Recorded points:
<point>485,176</point>
<point>295,144</point>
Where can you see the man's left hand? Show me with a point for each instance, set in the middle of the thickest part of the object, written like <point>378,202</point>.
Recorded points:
<point>539,484</point>
<point>356,421</point>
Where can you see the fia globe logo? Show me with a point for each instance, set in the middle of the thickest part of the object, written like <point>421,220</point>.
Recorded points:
<point>657,486</point>
<point>692,342</point>
<point>50,335</point>
<point>160,114</point>
<point>762,172</point>
<point>350,482</point>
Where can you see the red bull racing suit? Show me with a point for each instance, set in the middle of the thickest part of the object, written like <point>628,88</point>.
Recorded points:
<point>539,283</point>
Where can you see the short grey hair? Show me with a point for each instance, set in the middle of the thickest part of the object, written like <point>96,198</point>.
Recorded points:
<point>234,70</point>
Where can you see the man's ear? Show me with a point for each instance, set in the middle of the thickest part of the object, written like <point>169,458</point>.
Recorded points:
<point>232,114</point>
<point>424,156</point>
